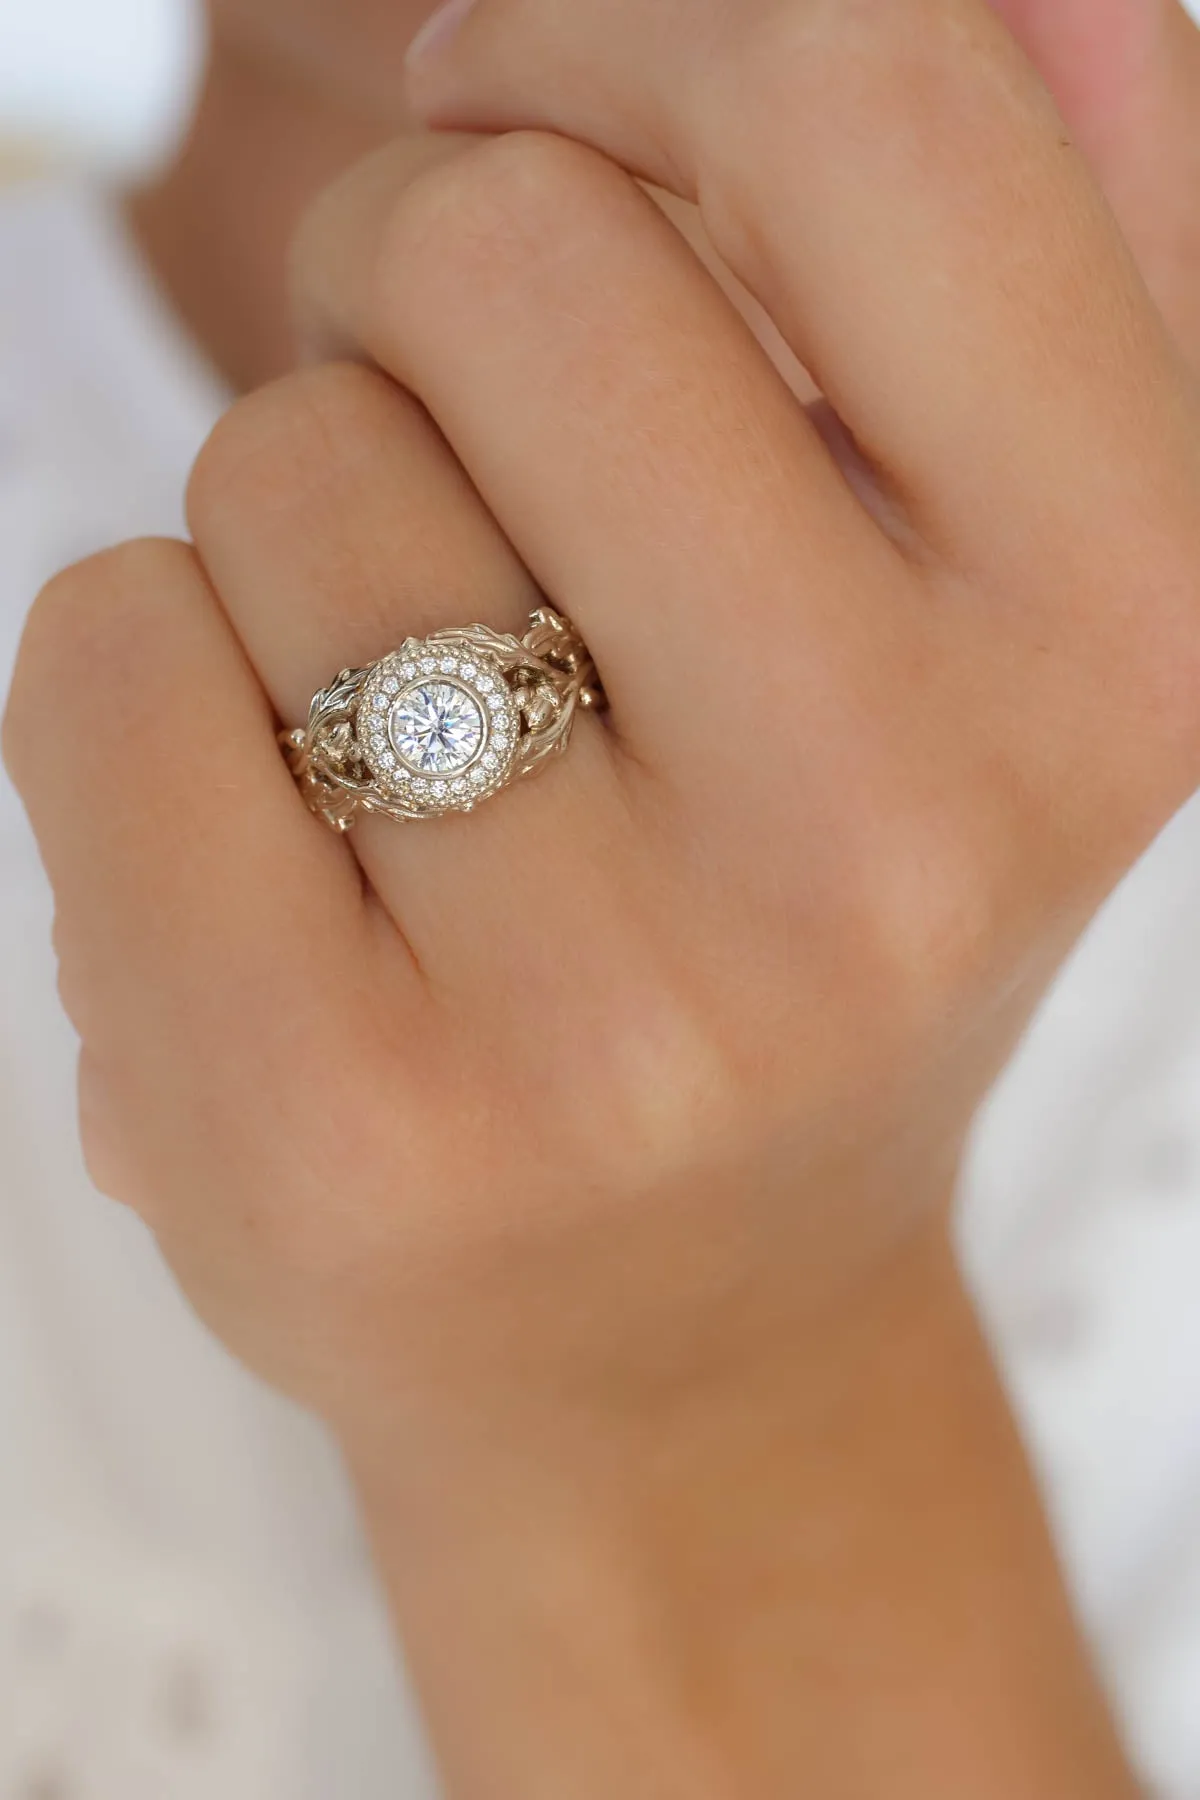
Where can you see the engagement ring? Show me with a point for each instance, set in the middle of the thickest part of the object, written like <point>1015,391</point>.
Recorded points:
<point>443,723</point>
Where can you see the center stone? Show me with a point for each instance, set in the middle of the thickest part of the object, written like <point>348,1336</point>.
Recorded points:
<point>436,728</point>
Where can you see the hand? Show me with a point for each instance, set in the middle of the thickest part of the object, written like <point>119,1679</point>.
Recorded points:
<point>620,1119</point>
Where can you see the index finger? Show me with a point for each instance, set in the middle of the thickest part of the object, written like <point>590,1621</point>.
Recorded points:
<point>895,185</point>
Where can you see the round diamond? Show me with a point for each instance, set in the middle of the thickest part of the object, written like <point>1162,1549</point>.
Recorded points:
<point>436,728</point>
<point>408,671</point>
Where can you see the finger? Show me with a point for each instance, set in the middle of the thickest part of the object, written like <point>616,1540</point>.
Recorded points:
<point>1126,74</point>
<point>190,889</point>
<point>336,523</point>
<point>895,186</point>
<point>619,419</point>
<point>1093,55</point>
<point>366,194</point>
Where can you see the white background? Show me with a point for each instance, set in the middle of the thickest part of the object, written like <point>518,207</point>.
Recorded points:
<point>106,79</point>
<point>103,80</point>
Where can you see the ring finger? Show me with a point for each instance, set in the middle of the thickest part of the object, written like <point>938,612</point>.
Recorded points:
<point>335,523</point>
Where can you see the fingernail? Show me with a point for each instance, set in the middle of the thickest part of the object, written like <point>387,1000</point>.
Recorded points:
<point>438,29</point>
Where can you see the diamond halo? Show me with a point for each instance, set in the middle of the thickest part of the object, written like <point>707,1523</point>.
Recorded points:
<point>438,728</point>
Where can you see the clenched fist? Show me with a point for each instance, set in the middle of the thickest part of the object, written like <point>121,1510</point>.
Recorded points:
<point>597,1145</point>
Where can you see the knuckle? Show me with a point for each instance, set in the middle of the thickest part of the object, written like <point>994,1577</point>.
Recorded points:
<point>273,450</point>
<point>498,209</point>
<point>80,609</point>
<point>86,626</point>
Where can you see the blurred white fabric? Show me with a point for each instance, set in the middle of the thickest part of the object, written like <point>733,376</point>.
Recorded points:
<point>103,82</point>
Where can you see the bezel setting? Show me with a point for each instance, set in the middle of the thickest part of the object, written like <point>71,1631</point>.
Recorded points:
<point>424,663</point>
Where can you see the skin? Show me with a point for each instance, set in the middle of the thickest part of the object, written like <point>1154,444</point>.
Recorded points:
<point>587,1163</point>
<point>296,91</point>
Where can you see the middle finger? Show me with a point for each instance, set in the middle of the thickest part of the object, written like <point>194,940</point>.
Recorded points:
<point>619,419</point>
<point>893,183</point>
